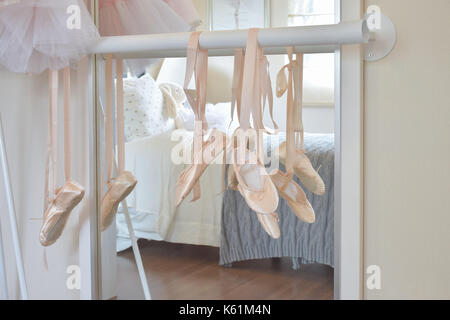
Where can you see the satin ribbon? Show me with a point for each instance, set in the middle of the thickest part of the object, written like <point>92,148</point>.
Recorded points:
<point>266,87</point>
<point>67,145</point>
<point>294,122</point>
<point>51,157</point>
<point>51,170</point>
<point>197,67</point>
<point>120,117</point>
<point>109,117</point>
<point>257,84</point>
<point>262,80</point>
<point>52,145</point>
<point>236,90</point>
<point>250,98</point>
<point>255,90</point>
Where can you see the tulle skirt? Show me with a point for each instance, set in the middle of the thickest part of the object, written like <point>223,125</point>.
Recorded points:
<point>36,35</point>
<point>133,17</point>
<point>186,10</point>
<point>130,17</point>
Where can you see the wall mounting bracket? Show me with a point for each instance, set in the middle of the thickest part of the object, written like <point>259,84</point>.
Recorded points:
<point>382,40</point>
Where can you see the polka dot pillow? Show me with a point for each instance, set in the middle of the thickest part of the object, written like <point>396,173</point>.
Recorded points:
<point>143,109</point>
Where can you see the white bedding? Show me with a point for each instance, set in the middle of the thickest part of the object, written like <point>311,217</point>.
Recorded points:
<point>152,209</point>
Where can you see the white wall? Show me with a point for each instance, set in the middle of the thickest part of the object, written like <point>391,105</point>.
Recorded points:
<point>24,109</point>
<point>407,154</point>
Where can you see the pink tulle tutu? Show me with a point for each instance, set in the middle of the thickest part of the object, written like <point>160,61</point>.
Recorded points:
<point>133,17</point>
<point>186,10</point>
<point>35,35</point>
<point>130,17</point>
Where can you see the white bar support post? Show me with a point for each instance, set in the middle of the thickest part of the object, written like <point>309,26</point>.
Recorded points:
<point>136,252</point>
<point>12,215</point>
<point>134,244</point>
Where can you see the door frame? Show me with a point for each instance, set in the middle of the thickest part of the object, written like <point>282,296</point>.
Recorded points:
<point>348,203</point>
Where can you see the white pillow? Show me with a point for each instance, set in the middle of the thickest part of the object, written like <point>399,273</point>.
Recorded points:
<point>144,109</point>
<point>187,117</point>
<point>218,116</point>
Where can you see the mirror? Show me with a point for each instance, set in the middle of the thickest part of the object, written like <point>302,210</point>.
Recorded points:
<point>203,249</point>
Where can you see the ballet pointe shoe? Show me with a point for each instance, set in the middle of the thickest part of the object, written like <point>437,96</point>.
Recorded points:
<point>304,170</point>
<point>58,212</point>
<point>187,181</point>
<point>120,188</point>
<point>269,222</point>
<point>255,185</point>
<point>191,175</point>
<point>294,195</point>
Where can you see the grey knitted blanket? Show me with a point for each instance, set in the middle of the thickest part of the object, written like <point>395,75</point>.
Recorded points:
<point>244,239</point>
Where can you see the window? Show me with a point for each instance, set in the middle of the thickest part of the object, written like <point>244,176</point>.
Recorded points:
<point>310,12</point>
<point>318,68</point>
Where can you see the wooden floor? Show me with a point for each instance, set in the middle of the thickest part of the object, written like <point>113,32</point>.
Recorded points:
<point>192,272</point>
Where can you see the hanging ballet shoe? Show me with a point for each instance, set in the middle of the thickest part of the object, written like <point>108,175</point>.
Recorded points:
<point>71,193</point>
<point>290,155</point>
<point>189,177</point>
<point>122,186</point>
<point>204,152</point>
<point>254,184</point>
<point>269,222</point>
<point>57,213</point>
<point>294,195</point>
<point>304,170</point>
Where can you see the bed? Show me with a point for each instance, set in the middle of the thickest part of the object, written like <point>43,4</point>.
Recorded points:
<point>152,208</point>
<point>151,137</point>
<point>222,219</point>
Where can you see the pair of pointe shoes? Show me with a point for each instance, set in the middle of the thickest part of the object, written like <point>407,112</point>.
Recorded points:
<point>261,191</point>
<point>269,221</point>
<point>304,170</point>
<point>71,194</point>
<point>58,212</point>
<point>122,186</point>
<point>264,200</point>
<point>189,177</point>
